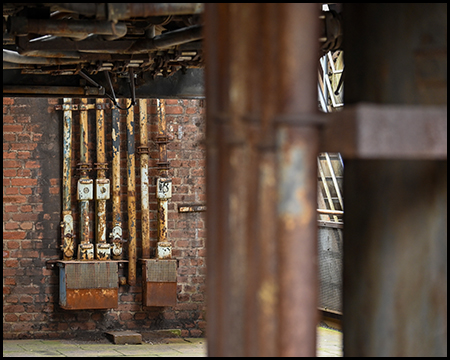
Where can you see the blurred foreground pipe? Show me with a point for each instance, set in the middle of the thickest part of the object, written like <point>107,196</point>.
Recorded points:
<point>131,199</point>
<point>262,143</point>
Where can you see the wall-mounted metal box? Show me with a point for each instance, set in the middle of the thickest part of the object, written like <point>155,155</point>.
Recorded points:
<point>159,279</point>
<point>88,284</point>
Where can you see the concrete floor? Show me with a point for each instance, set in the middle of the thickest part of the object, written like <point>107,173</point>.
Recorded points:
<point>329,344</point>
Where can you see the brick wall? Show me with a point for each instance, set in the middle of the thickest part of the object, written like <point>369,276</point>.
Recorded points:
<point>32,177</point>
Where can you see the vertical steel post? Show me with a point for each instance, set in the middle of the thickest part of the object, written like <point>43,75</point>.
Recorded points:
<point>116,234</point>
<point>395,237</point>
<point>85,187</point>
<point>262,142</point>
<point>131,184</point>
<point>102,248</point>
<point>143,150</point>
<point>67,240</point>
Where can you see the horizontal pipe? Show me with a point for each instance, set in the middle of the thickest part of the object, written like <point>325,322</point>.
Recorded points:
<point>122,11</point>
<point>78,29</point>
<point>51,90</point>
<point>10,56</point>
<point>168,39</point>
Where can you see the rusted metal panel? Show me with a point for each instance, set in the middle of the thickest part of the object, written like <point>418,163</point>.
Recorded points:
<point>131,198</point>
<point>159,282</point>
<point>369,131</point>
<point>88,285</point>
<point>80,299</point>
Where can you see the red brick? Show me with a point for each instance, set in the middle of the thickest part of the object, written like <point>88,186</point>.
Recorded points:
<point>12,164</point>
<point>174,110</point>
<point>17,235</point>
<point>11,226</point>
<point>32,164</point>
<point>11,191</point>
<point>11,317</point>
<point>8,101</point>
<point>25,146</point>
<point>12,128</point>
<point>23,182</point>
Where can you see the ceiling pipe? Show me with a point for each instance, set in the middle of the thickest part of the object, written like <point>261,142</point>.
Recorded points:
<point>124,11</point>
<point>168,39</point>
<point>10,56</point>
<point>77,29</point>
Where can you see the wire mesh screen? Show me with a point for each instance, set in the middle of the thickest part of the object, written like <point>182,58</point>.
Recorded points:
<point>92,275</point>
<point>330,268</point>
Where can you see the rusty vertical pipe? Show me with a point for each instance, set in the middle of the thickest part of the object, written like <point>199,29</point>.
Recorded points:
<point>131,183</point>
<point>102,248</point>
<point>67,240</point>
<point>143,150</point>
<point>116,234</point>
<point>163,185</point>
<point>262,142</point>
<point>85,187</point>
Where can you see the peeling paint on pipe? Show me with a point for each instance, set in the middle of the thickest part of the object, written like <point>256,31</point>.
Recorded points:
<point>131,183</point>
<point>145,215</point>
<point>116,234</point>
<point>67,241</point>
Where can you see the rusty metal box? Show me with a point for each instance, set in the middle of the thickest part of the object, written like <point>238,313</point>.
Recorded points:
<point>88,285</point>
<point>159,282</point>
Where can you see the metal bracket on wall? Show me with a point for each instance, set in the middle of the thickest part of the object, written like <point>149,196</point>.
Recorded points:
<point>191,208</point>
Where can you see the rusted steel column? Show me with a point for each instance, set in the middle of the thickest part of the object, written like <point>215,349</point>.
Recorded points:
<point>67,238</point>
<point>395,237</point>
<point>116,234</point>
<point>163,185</point>
<point>143,150</point>
<point>102,248</point>
<point>262,142</point>
<point>131,199</point>
<point>85,187</point>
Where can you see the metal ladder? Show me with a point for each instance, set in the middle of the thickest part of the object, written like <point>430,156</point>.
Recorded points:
<point>330,165</point>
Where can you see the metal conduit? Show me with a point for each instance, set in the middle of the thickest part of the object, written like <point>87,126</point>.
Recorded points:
<point>131,184</point>
<point>163,185</point>
<point>85,187</point>
<point>143,150</point>
<point>116,234</point>
<point>67,236</point>
<point>102,249</point>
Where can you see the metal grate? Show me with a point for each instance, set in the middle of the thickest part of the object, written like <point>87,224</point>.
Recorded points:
<point>161,270</point>
<point>92,275</point>
<point>330,253</point>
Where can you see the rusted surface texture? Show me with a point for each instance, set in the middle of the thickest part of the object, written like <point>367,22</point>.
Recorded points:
<point>297,229</point>
<point>400,60</point>
<point>261,244</point>
<point>395,258</point>
<point>370,131</point>
<point>131,198</point>
<point>67,156</point>
<point>88,285</point>
<point>78,299</point>
<point>162,220</point>
<point>145,214</point>
<point>160,294</point>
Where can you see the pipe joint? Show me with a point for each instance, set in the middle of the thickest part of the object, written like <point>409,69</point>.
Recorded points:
<point>142,150</point>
